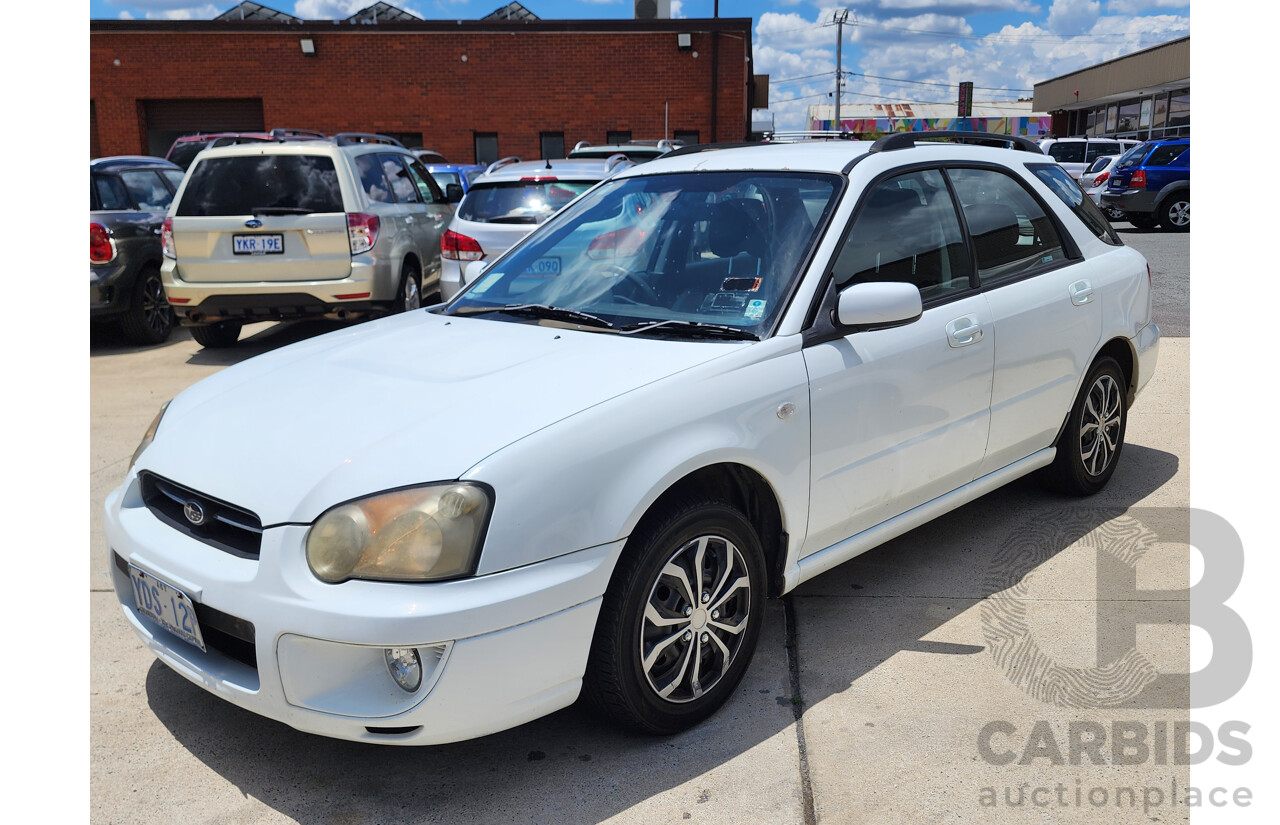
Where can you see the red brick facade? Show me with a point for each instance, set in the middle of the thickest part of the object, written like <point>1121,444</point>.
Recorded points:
<point>446,81</point>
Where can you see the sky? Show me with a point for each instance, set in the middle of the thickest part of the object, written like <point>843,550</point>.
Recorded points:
<point>892,51</point>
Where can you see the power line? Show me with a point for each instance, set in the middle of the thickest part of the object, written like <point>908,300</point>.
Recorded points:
<point>930,83</point>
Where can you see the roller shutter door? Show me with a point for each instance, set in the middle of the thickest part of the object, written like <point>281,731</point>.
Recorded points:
<point>168,119</point>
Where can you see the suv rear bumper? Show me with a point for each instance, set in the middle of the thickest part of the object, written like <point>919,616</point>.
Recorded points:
<point>1131,200</point>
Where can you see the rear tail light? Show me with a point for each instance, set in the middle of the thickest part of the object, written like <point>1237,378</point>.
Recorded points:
<point>456,247</point>
<point>363,231</point>
<point>166,239</point>
<point>102,248</point>
<point>1139,180</point>
<point>1101,178</point>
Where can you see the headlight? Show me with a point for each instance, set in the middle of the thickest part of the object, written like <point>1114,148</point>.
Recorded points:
<point>149,435</point>
<point>417,534</point>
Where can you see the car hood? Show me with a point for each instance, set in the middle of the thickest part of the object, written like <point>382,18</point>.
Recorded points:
<point>407,400</point>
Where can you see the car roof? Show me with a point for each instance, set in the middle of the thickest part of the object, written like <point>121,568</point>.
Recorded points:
<point>115,162</point>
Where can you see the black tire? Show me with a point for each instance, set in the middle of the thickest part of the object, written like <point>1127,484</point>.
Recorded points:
<point>409,293</point>
<point>217,336</point>
<point>676,633</point>
<point>1175,213</point>
<point>1085,462</point>
<point>1140,220</point>
<point>149,319</point>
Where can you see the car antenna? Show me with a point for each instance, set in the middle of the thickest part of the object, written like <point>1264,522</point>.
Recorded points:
<point>548,163</point>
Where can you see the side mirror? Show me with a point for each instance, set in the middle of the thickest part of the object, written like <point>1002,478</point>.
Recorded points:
<point>878,305</point>
<point>474,269</point>
<point>452,192</point>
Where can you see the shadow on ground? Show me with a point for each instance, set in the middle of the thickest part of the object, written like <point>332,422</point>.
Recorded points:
<point>582,769</point>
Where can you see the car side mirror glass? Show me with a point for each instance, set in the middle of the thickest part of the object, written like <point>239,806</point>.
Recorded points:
<point>474,269</point>
<point>878,305</point>
<point>452,192</point>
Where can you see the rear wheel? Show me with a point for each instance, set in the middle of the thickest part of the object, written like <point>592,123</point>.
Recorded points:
<point>221,334</point>
<point>680,619</point>
<point>149,319</point>
<point>409,295</point>
<point>1175,213</point>
<point>1090,445</point>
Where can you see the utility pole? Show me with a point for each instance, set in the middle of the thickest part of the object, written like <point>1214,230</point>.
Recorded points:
<point>840,16</point>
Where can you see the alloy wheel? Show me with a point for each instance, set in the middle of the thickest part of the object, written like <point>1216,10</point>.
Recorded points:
<point>1100,425</point>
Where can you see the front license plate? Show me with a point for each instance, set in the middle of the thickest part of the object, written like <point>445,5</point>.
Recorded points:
<point>166,605</point>
<point>257,244</point>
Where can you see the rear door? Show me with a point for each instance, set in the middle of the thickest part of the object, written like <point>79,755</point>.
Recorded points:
<point>262,217</point>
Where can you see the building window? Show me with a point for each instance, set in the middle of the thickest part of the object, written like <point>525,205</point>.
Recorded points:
<point>552,144</point>
<point>1091,122</point>
<point>1180,109</point>
<point>1128,120</point>
<point>689,137</point>
<point>1112,112</point>
<point>1162,111</point>
<point>618,137</point>
<point>486,147</point>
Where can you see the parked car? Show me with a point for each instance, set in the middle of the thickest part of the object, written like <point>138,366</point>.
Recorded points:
<point>459,174</point>
<point>635,150</point>
<point>128,198</point>
<point>506,202</point>
<point>791,354</point>
<point>341,228</point>
<point>1076,154</point>
<point>1094,183</point>
<point>184,149</point>
<point>1152,185</point>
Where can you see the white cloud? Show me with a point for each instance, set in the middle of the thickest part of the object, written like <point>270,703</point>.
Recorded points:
<point>1073,16</point>
<point>677,9</point>
<point>327,9</point>
<point>206,12</point>
<point>1135,6</point>
<point>125,15</point>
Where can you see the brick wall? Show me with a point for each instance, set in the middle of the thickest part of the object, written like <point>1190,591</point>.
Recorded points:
<point>516,80</point>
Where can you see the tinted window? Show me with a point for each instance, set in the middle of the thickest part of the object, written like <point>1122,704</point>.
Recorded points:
<point>183,153</point>
<point>1057,179</point>
<point>519,201</point>
<point>1133,156</point>
<point>148,190</point>
<point>1095,148</point>
<point>1098,165</point>
<point>373,180</point>
<point>1011,233</point>
<point>174,176</point>
<point>486,147</point>
<point>907,230</point>
<point>109,193</point>
<point>443,179</point>
<point>1067,152</point>
<point>401,184</point>
<point>552,144</point>
<point>262,183</point>
<point>1165,155</point>
<point>426,185</point>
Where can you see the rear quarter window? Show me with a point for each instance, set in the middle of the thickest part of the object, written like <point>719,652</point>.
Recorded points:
<point>284,184</point>
<point>1070,193</point>
<point>1067,152</point>
<point>107,192</point>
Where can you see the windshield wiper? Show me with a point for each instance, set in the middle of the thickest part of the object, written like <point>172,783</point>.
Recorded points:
<point>541,311</point>
<point>280,210</point>
<point>693,329</point>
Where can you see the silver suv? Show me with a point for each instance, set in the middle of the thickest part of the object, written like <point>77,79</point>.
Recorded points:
<point>344,228</point>
<point>508,202</point>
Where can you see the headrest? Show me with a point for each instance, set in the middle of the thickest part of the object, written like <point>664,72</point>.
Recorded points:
<point>734,227</point>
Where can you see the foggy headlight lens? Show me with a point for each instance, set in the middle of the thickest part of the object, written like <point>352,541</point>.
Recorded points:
<point>149,435</point>
<point>420,534</point>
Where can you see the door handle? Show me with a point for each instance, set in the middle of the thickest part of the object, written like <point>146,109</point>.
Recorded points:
<point>1081,292</point>
<point>964,331</point>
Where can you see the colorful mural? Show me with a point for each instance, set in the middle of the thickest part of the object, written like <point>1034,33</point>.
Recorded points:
<point>1026,126</point>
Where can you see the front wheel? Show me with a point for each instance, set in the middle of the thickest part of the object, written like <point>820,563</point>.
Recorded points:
<point>1090,445</point>
<point>1175,214</point>
<point>409,295</point>
<point>680,619</point>
<point>217,336</point>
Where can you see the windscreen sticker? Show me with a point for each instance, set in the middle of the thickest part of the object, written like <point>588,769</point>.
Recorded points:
<point>724,302</point>
<point>741,284</point>
<point>755,310</point>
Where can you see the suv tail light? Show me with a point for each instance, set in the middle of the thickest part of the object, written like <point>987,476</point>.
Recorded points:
<point>456,247</point>
<point>363,231</point>
<point>1139,180</point>
<point>102,248</point>
<point>166,239</point>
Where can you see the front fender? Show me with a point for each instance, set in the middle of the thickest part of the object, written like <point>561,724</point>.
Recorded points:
<point>588,479</point>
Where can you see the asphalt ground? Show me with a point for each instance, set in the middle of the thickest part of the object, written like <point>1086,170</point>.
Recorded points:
<point>934,679</point>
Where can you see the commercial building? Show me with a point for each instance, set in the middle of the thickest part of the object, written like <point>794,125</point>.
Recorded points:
<point>472,90</point>
<point>1017,117</point>
<point>1143,95</point>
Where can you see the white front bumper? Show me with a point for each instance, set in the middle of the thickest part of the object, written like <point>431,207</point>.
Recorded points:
<point>498,650</point>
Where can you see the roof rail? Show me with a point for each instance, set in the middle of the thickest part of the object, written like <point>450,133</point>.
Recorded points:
<point>611,162</point>
<point>498,164</point>
<point>285,134</point>
<point>582,144</point>
<point>709,147</point>
<point>670,144</point>
<point>907,140</point>
<point>788,136</point>
<point>353,138</point>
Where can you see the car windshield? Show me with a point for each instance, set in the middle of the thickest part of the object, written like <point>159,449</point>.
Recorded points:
<point>711,254</point>
<point>531,201</point>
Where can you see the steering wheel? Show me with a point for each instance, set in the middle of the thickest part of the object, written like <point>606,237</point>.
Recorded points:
<point>625,274</point>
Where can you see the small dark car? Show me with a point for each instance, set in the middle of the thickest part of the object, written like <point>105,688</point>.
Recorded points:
<point>1151,184</point>
<point>128,199</point>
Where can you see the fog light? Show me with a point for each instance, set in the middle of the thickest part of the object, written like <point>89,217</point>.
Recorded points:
<point>405,667</point>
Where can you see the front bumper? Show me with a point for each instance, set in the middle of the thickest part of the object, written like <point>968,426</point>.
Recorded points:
<point>497,650</point>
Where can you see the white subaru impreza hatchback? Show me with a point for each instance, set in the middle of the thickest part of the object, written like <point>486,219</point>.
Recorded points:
<point>709,379</point>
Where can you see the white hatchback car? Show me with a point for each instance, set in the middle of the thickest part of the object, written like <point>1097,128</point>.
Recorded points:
<point>749,366</point>
<point>507,202</point>
<point>1094,183</point>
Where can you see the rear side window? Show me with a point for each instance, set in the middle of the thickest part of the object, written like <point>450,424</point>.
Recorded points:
<point>1067,152</point>
<point>1166,155</point>
<point>398,176</point>
<point>1098,165</point>
<point>262,184</point>
<point>373,179</point>
<point>519,201</point>
<point>1061,184</point>
<point>185,152</point>
<point>109,193</point>
<point>1095,148</point>
<point>907,230</point>
<point>147,188</point>
<point>1011,233</point>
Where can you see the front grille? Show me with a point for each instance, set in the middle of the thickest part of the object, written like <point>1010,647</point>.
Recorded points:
<point>225,526</point>
<point>229,635</point>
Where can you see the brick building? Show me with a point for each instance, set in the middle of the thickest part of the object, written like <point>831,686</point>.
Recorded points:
<point>472,90</point>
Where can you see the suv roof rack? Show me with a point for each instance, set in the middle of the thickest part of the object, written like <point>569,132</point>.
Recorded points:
<point>582,144</point>
<point>297,134</point>
<point>353,138</point>
<point>611,162</point>
<point>696,148</point>
<point>907,140</point>
<point>820,134</point>
<point>498,164</point>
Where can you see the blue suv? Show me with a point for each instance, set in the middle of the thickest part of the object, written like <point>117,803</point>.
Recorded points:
<point>1151,184</point>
